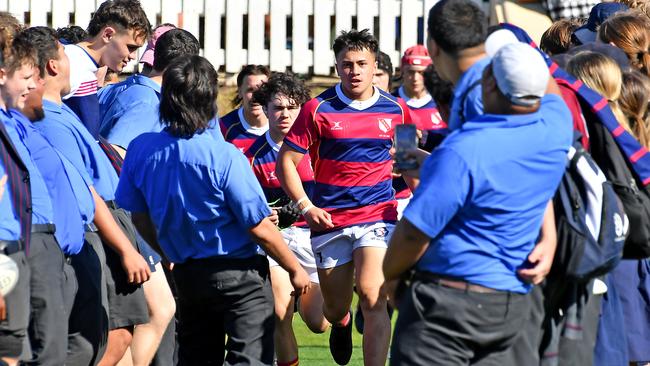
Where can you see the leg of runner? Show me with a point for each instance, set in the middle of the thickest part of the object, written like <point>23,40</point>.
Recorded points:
<point>286,347</point>
<point>336,286</point>
<point>369,278</point>
<point>311,309</point>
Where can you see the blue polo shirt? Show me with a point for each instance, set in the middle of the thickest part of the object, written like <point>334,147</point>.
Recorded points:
<point>130,112</point>
<point>9,223</point>
<point>200,192</point>
<point>68,135</point>
<point>42,212</point>
<point>483,196</point>
<point>67,216</point>
<point>472,106</point>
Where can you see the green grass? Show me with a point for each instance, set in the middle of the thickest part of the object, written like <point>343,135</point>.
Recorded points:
<point>314,348</point>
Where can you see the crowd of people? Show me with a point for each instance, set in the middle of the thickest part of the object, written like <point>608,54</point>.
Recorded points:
<point>150,228</point>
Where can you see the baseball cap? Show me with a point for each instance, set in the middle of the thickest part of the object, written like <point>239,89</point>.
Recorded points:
<point>599,13</point>
<point>521,73</point>
<point>147,55</point>
<point>416,56</point>
<point>498,39</point>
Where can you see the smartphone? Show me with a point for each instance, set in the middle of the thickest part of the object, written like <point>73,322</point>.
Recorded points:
<point>406,139</point>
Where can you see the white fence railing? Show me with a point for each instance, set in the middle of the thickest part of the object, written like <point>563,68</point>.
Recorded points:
<point>284,34</point>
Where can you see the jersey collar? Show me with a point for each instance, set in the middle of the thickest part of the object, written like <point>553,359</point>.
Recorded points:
<point>257,131</point>
<point>358,104</point>
<point>413,102</point>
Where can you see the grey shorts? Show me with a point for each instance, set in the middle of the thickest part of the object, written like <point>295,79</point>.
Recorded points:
<point>13,330</point>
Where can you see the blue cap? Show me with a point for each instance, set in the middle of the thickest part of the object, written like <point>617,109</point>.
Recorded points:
<point>599,13</point>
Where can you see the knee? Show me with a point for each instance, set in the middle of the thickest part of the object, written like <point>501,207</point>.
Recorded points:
<point>371,299</point>
<point>317,326</point>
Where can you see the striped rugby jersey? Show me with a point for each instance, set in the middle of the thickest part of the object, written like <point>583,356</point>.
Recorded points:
<point>263,155</point>
<point>236,130</point>
<point>426,117</point>
<point>83,88</point>
<point>349,143</point>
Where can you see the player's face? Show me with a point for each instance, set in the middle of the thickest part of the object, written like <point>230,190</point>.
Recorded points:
<point>250,84</point>
<point>17,86</point>
<point>282,112</point>
<point>381,79</point>
<point>63,64</point>
<point>121,48</point>
<point>356,70</point>
<point>33,108</point>
<point>414,80</point>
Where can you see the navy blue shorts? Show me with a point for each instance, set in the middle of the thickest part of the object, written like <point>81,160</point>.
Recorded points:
<point>150,255</point>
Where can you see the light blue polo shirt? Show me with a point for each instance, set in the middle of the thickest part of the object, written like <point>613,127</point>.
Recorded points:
<point>200,192</point>
<point>9,222</point>
<point>69,136</point>
<point>42,212</point>
<point>129,109</point>
<point>472,105</point>
<point>484,191</point>
<point>65,186</point>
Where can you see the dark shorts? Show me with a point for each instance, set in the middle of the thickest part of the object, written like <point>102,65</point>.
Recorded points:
<point>126,302</point>
<point>13,330</point>
<point>219,297</point>
<point>150,255</point>
<point>438,325</point>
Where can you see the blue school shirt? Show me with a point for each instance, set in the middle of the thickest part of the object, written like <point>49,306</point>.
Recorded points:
<point>200,193</point>
<point>63,188</point>
<point>68,135</point>
<point>9,223</point>
<point>468,102</point>
<point>130,112</point>
<point>484,190</point>
<point>42,212</point>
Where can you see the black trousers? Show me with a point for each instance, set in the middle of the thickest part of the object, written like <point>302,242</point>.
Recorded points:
<point>219,297</point>
<point>88,324</point>
<point>49,315</point>
<point>438,325</point>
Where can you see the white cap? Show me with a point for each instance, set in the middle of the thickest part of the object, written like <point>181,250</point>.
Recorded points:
<point>521,73</point>
<point>498,39</point>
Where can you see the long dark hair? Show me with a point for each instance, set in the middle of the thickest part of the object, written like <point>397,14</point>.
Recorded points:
<point>189,96</point>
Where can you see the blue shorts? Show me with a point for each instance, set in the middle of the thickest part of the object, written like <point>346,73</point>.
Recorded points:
<point>150,255</point>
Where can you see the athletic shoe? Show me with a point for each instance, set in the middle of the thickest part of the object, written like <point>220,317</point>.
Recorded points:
<point>341,342</point>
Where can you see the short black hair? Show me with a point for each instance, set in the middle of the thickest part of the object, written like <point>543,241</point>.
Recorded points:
<point>286,84</point>
<point>122,14</point>
<point>72,34</point>
<point>355,40</point>
<point>172,44</point>
<point>440,90</point>
<point>456,25</point>
<point>44,40</point>
<point>189,95</point>
<point>384,63</point>
<point>248,70</point>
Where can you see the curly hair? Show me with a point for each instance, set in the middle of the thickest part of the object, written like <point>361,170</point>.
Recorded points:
<point>123,14</point>
<point>355,40</point>
<point>189,96</point>
<point>45,42</point>
<point>281,83</point>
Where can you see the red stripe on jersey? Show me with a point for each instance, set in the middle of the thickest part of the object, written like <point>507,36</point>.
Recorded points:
<point>357,125</point>
<point>352,174</point>
<point>343,217</point>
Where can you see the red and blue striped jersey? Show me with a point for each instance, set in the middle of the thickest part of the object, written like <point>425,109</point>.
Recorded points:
<point>349,143</point>
<point>426,117</point>
<point>236,130</point>
<point>263,155</point>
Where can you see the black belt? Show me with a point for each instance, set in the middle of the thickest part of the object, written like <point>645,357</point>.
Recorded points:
<point>44,228</point>
<point>90,228</point>
<point>10,247</point>
<point>453,283</point>
<point>112,204</point>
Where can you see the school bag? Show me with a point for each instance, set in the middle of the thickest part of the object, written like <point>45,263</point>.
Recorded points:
<point>590,219</point>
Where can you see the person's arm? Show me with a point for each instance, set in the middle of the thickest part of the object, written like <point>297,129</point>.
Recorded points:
<point>406,246</point>
<point>269,238</point>
<point>133,263</point>
<point>541,258</point>
<point>287,173</point>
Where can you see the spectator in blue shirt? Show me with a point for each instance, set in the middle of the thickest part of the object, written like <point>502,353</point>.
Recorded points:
<point>130,108</point>
<point>197,199</point>
<point>475,218</point>
<point>63,130</point>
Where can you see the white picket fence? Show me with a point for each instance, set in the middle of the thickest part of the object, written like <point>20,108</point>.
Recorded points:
<point>284,34</point>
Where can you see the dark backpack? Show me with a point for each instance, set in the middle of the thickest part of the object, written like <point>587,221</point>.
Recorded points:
<point>590,219</point>
<point>634,196</point>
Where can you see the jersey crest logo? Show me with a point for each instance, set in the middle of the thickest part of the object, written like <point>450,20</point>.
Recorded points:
<point>436,118</point>
<point>385,124</point>
<point>336,126</point>
<point>272,176</point>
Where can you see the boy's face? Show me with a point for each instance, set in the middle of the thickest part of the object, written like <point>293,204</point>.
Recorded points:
<point>282,112</point>
<point>120,47</point>
<point>381,79</point>
<point>18,85</point>
<point>33,108</point>
<point>356,70</point>
<point>413,77</point>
